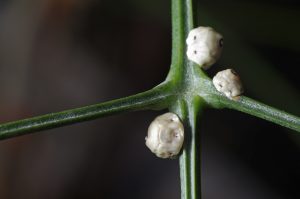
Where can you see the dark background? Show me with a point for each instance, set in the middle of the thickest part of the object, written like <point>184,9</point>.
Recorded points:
<point>62,54</point>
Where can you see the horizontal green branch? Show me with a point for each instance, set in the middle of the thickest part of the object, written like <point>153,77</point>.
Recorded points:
<point>258,109</point>
<point>155,98</point>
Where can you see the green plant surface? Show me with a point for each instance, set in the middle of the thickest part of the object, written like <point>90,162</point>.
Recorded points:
<point>155,98</point>
<point>186,91</point>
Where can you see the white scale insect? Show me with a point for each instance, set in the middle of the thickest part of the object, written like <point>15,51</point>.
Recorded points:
<point>229,83</point>
<point>204,46</point>
<point>165,135</point>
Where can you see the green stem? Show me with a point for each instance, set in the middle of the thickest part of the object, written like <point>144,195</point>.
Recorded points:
<point>156,98</point>
<point>247,105</point>
<point>187,108</point>
<point>252,107</point>
<point>178,41</point>
<point>183,20</point>
<point>190,164</point>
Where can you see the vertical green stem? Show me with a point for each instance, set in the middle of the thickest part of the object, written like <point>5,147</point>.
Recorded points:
<point>178,41</point>
<point>183,21</point>
<point>190,158</point>
<point>189,162</point>
<point>190,165</point>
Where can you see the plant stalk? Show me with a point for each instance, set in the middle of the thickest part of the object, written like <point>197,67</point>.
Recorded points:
<point>183,21</point>
<point>263,111</point>
<point>190,159</point>
<point>155,98</point>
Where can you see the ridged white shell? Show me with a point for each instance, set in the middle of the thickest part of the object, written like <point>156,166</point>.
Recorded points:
<point>165,135</point>
<point>204,46</point>
<point>228,82</point>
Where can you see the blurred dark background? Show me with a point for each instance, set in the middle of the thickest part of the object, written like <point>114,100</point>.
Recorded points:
<point>62,54</point>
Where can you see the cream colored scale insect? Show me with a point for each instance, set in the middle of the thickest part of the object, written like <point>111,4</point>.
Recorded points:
<point>229,83</point>
<point>165,135</point>
<point>204,46</point>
